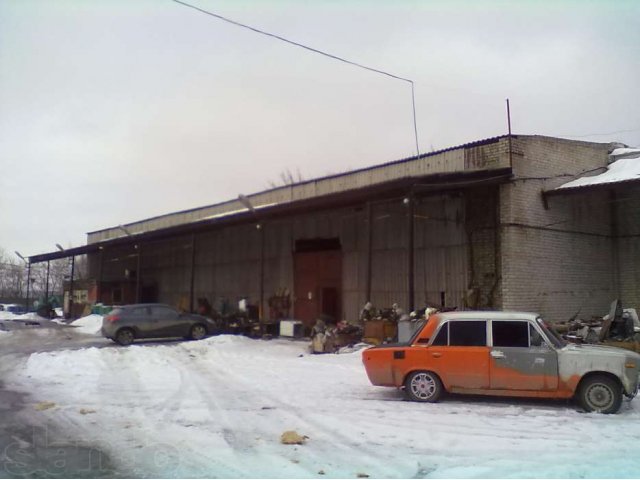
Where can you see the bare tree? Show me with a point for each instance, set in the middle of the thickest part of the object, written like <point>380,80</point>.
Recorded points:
<point>12,277</point>
<point>287,177</point>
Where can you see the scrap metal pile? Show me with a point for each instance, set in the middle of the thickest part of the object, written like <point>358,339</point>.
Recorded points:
<point>327,336</point>
<point>619,328</point>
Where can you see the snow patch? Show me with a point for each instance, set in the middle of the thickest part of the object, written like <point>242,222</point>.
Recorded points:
<point>619,153</point>
<point>24,316</point>
<point>218,408</point>
<point>91,324</point>
<point>622,170</point>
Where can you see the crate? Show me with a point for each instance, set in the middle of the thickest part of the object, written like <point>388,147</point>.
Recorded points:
<point>291,328</point>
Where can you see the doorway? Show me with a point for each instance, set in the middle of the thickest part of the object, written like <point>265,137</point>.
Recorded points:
<point>318,280</point>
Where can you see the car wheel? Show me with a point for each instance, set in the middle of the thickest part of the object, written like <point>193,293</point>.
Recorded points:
<point>600,394</point>
<point>125,336</point>
<point>198,332</point>
<point>423,387</point>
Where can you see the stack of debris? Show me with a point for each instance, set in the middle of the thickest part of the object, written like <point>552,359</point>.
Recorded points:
<point>327,336</point>
<point>619,328</point>
<point>381,325</point>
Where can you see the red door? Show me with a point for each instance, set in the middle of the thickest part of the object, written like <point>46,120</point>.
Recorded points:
<point>318,285</point>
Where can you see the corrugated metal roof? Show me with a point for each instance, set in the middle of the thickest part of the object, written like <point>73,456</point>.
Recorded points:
<point>444,161</point>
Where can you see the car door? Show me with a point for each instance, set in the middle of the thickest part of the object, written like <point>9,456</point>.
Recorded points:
<point>139,319</point>
<point>521,358</point>
<point>166,322</point>
<point>460,354</point>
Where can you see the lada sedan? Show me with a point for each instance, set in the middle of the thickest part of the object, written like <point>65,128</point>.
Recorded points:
<point>503,353</point>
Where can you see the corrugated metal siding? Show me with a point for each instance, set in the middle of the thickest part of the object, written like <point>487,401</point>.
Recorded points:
<point>441,251</point>
<point>389,278</point>
<point>484,157</point>
<point>167,265</point>
<point>227,262</point>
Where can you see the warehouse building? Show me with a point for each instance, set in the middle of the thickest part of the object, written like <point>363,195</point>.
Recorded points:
<point>495,224</point>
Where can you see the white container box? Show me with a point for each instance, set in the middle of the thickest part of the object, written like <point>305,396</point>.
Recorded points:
<point>290,328</point>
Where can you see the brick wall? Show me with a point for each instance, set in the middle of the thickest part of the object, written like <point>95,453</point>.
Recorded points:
<point>627,202</point>
<point>557,260</point>
<point>483,239</point>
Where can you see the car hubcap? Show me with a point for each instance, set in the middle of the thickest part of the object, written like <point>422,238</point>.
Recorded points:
<point>198,332</point>
<point>126,337</point>
<point>423,386</point>
<point>599,397</point>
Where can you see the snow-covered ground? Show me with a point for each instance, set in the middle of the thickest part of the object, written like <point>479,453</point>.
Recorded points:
<point>90,324</point>
<point>217,408</point>
<point>24,316</point>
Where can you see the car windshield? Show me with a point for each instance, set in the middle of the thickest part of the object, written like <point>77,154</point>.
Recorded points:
<point>553,336</point>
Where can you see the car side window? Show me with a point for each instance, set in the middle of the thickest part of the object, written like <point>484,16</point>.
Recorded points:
<point>468,333</point>
<point>536,338</point>
<point>162,312</point>
<point>442,339</point>
<point>510,333</point>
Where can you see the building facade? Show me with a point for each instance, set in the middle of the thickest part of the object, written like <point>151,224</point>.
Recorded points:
<point>486,225</point>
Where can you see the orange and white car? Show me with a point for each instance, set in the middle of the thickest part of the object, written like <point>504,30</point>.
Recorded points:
<point>503,353</point>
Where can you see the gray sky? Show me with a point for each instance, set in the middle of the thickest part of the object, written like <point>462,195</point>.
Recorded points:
<point>115,111</point>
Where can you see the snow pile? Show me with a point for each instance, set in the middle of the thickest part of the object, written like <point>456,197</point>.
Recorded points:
<point>24,316</point>
<point>625,167</point>
<point>619,153</point>
<point>91,324</point>
<point>218,408</point>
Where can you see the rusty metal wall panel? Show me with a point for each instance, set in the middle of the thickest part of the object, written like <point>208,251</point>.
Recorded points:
<point>389,268</point>
<point>166,268</point>
<point>441,251</point>
<point>389,280</point>
<point>227,262</point>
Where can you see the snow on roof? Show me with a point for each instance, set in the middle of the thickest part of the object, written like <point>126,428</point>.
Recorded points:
<point>624,167</point>
<point>619,153</point>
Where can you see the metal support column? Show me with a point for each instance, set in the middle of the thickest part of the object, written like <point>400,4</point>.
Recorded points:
<point>73,267</point>
<point>193,271</point>
<point>138,273</point>
<point>99,283</point>
<point>261,308</point>
<point>410,251</point>
<point>28,285</point>
<point>369,251</point>
<point>46,292</point>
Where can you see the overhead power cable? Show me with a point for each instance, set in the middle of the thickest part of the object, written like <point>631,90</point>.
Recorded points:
<point>315,50</point>
<point>602,134</point>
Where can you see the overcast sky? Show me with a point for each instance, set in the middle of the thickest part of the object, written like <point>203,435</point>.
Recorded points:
<point>115,111</point>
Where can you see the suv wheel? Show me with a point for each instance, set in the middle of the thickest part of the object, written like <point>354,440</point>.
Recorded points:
<point>600,394</point>
<point>423,387</point>
<point>198,332</point>
<point>125,336</point>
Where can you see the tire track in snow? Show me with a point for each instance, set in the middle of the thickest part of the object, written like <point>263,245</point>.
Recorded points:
<point>314,424</point>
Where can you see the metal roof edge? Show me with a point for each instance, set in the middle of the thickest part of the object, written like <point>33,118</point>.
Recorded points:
<point>476,143</point>
<point>324,201</point>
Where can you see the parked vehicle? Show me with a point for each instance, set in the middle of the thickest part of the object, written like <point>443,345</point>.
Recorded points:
<point>503,353</point>
<point>128,323</point>
<point>13,308</point>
